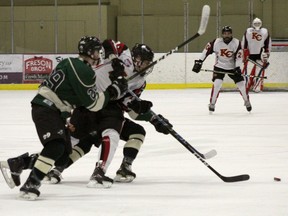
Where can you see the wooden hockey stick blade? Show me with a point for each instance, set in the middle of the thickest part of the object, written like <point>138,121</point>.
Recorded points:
<point>210,154</point>
<point>5,171</point>
<point>203,24</point>
<point>227,179</point>
<point>204,19</point>
<point>231,179</point>
<point>224,72</point>
<point>177,136</point>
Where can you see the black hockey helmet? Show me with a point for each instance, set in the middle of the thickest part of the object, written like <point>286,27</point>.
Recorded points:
<point>227,38</point>
<point>227,29</point>
<point>88,44</point>
<point>144,51</point>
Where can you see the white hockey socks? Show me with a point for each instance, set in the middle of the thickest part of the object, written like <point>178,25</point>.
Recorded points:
<point>215,90</point>
<point>242,89</point>
<point>109,145</point>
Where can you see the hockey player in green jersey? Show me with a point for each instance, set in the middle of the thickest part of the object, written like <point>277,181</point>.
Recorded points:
<point>108,121</point>
<point>70,85</point>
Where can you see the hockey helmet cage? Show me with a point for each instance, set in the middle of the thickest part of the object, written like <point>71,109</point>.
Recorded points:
<point>227,29</point>
<point>144,51</point>
<point>257,23</point>
<point>88,44</point>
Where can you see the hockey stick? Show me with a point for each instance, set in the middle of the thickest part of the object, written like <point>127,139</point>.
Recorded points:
<point>207,155</point>
<point>259,65</point>
<point>224,72</point>
<point>262,68</point>
<point>197,154</point>
<point>202,28</point>
<point>265,65</point>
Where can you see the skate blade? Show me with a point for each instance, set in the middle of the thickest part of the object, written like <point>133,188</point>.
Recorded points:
<point>27,196</point>
<point>124,179</point>
<point>95,184</point>
<point>7,174</point>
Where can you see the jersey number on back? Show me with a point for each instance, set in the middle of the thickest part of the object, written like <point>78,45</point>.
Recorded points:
<point>55,79</point>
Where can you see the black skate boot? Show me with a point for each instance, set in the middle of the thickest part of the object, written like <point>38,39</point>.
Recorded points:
<point>124,173</point>
<point>98,178</point>
<point>248,105</point>
<point>211,107</point>
<point>16,166</point>
<point>29,191</point>
<point>12,168</point>
<point>54,176</point>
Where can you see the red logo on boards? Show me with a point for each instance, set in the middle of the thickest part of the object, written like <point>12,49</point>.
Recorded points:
<point>38,65</point>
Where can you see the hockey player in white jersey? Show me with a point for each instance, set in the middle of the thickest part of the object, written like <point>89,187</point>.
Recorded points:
<point>256,44</point>
<point>132,133</point>
<point>228,59</point>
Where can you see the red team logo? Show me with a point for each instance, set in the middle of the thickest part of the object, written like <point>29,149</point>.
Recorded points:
<point>226,52</point>
<point>256,36</point>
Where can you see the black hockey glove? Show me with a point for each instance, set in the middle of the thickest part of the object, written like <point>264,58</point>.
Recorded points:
<point>140,107</point>
<point>118,69</point>
<point>110,49</point>
<point>159,126</point>
<point>237,71</point>
<point>118,87</point>
<point>80,119</point>
<point>78,114</point>
<point>197,66</point>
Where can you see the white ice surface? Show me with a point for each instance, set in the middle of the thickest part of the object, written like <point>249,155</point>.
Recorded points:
<point>170,180</point>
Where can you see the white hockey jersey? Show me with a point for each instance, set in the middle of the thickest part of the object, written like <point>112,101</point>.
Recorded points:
<point>102,74</point>
<point>254,40</point>
<point>228,56</point>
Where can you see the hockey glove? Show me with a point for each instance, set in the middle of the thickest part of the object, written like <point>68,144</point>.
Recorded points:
<point>118,87</point>
<point>79,122</point>
<point>197,66</point>
<point>161,126</point>
<point>140,107</point>
<point>110,49</point>
<point>264,56</point>
<point>237,71</point>
<point>118,69</point>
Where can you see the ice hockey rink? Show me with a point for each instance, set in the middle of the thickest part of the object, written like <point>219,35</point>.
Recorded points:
<point>170,179</point>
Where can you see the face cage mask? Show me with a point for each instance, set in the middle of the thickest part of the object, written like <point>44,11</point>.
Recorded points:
<point>257,25</point>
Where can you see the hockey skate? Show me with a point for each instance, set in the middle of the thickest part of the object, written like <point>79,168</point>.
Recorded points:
<point>99,180</point>
<point>124,174</point>
<point>29,191</point>
<point>248,105</point>
<point>54,176</point>
<point>12,168</point>
<point>211,107</point>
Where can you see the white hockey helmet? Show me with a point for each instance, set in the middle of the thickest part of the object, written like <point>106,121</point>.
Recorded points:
<point>257,23</point>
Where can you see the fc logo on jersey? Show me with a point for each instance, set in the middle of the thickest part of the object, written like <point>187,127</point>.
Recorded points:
<point>256,36</point>
<point>226,52</point>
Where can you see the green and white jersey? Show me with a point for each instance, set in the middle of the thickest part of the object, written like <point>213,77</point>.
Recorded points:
<point>71,84</point>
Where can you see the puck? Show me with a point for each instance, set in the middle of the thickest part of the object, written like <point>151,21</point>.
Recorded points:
<point>277,179</point>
